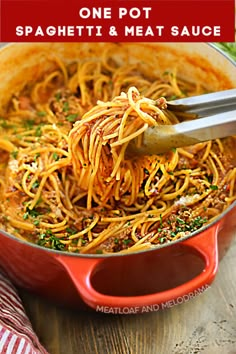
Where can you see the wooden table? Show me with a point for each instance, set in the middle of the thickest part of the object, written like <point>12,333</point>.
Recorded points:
<point>206,324</point>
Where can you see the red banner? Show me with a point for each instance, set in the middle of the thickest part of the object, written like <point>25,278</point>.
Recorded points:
<point>108,21</point>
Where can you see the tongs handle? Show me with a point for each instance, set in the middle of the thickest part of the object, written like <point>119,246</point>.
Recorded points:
<point>207,104</point>
<point>162,138</point>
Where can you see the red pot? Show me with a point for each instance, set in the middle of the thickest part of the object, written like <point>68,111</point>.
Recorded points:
<point>121,283</point>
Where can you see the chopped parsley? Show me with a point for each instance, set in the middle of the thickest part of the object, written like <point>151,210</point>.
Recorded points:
<point>32,213</point>
<point>36,222</point>
<point>41,114</point>
<point>55,156</point>
<point>127,241</point>
<point>50,240</point>
<point>213,187</point>
<point>65,107</point>
<point>180,221</point>
<point>14,154</point>
<point>36,156</point>
<point>72,117</point>
<point>5,125</point>
<point>35,184</point>
<point>71,231</point>
<point>29,123</point>
<point>58,96</point>
<point>38,131</point>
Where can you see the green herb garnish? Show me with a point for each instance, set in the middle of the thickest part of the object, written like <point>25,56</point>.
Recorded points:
<point>72,117</point>
<point>213,187</point>
<point>14,154</point>
<point>38,131</point>
<point>55,156</point>
<point>41,114</point>
<point>65,107</point>
<point>35,184</point>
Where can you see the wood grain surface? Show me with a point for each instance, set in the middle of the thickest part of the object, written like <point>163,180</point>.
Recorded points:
<point>206,324</point>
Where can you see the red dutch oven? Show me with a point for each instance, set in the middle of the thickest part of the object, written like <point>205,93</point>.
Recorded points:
<point>120,283</point>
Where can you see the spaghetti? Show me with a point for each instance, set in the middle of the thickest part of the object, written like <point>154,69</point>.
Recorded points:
<point>66,181</point>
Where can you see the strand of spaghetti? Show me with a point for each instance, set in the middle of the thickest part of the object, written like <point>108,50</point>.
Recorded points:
<point>20,224</point>
<point>164,178</point>
<point>130,217</point>
<point>62,66</point>
<point>144,227</point>
<point>135,181</point>
<point>35,92</point>
<point>95,152</point>
<point>54,225</point>
<point>214,170</point>
<point>137,248</point>
<point>17,186</point>
<point>133,124</point>
<point>198,183</point>
<point>174,83</point>
<point>87,229</point>
<point>150,107</point>
<point>38,193</point>
<point>107,193</point>
<point>75,149</point>
<point>68,188</point>
<point>21,113</point>
<point>112,135</point>
<point>56,165</point>
<point>142,240</point>
<point>148,204</point>
<point>173,162</point>
<point>7,145</point>
<point>97,112</point>
<point>178,192</point>
<point>56,187</point>
<point>130,137</point>
<point>207,152</point>
<point>231,174</point>
<point>92,178</point>
<point>232,184</point>
<point>148,191</point>
<point>219,143</point>
<point>229,200</point>
<point>124,118</point>
<point>24,184</point>
<point>156,90</point>
<point>93,139</point>
<point>117,162</point>
<point>113,229</point>
<point>157,215</point>
<point>216,158</point>
<point>48,149</point>
<point>135,226</point>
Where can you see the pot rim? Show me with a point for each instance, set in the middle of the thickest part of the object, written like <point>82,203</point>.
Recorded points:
<point>118,254</point>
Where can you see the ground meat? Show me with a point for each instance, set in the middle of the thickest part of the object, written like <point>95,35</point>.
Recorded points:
<point>116,244</point>
<point>66,106</point>
<point>25,103</point>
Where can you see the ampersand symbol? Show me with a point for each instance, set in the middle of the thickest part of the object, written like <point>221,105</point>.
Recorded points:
<point>113,31</point>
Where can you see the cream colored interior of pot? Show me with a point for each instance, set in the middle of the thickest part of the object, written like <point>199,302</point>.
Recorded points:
<point>21,63</point>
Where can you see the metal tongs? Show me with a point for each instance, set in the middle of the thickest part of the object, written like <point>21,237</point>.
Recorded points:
<point>216,118</point>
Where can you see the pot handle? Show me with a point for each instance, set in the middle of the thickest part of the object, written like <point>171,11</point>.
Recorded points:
<point>204,244</point>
